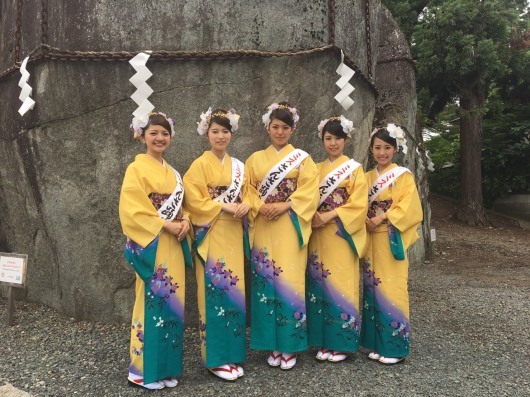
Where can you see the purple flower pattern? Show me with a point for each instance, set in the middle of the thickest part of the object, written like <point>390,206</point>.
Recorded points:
<point>134,247</point>
<point>336,199</point>
<point>220,278</point>
<point>137,325</point>
<point>202,330</point>
<point>265,267</point>
<point>379,206</point>
<point>315,269</point>
<point>283,191</point>
<point>350,322</point>
<point>401,329</point>
<point>161,284</point>
<point>215,191</point>
<point>370,280</point>
<point>158,199</point>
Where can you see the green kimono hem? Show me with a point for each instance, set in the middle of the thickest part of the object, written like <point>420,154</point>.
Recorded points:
<point>296,224</point>
<point>200,234</point>
<point>346,236</point>
<point>141,259</point>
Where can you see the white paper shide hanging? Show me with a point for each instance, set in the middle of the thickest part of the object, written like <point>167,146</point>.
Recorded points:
<point>25,94</point>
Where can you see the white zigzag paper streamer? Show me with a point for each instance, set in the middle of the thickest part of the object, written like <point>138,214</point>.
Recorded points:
<point>27,102</point>
<point>346,88</point>
<point>142,88</point>
<point>430,164</point>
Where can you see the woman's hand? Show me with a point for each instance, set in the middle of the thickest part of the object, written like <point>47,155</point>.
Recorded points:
<point>177,228</point>
<point>241,210</point>
<point>229,207</point>
<point>320,219</point>
<point>185,228</point>
<point>373,223</point>
<point>272,211</point>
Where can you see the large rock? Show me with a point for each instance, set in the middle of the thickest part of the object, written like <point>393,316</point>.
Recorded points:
<point>64,161</point>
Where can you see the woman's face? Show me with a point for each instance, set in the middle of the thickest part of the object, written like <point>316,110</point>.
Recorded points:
<point>382,152</point>
<point>280,133</point>
<point>156,139</point>
<point>219,138</point>
<point>334,146</point>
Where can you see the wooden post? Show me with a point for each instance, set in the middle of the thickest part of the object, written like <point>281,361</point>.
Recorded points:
<point>10,305</point>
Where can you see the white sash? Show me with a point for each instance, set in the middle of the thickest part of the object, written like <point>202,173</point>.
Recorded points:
<point>383,181</point>
<point>278,172</point>
<point>238,173</point>
<point>171,207</point>
<point>335,177</point>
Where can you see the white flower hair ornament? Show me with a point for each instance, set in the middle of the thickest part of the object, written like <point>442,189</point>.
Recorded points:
<point>398,134</point>
<point>347,125</point>
<point>202,126</point>
<point>233,117</point>
<point>140,122</point>
<point>206,119</point>
<point>266,118</point>
<point>395,132</point>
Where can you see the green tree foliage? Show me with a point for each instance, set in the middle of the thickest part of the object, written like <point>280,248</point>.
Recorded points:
<point>505,156</point>
<point>473,53</point>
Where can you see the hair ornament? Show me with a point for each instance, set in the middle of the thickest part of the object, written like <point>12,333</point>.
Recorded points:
<point>394,131</point>
<point>347,125</point>
<point>233,117</point>
<point>206,120</point>
<point>202,126</point>
<point>140,122</point>
<point>266,118</point>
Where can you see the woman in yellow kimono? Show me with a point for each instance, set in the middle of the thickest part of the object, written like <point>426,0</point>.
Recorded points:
<point>214,197</point>
<point>394,214</point>
<point>283,194</point>
<point>152,218</point>
<point>339,236</point>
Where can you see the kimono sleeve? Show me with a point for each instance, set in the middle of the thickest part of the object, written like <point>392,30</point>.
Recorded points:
<point>406,212</point>
<point>139,219</point>
<point>200,205</point>
<point>353,213</point>
<point>252,197</point>
<point>304,200</point>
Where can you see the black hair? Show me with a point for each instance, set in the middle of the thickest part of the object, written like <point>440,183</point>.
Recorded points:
<point>221,120</point>
<point>384,135</point>
<point>283,114</point>
<point>158,119</point>
<point>334,127</point>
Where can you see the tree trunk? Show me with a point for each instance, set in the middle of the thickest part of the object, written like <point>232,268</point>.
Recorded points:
<point>470,208</point>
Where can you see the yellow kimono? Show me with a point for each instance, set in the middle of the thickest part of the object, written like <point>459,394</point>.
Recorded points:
<point>332,288</point>
<point>279,254</point>
<point>219,261</point>
<point>158,259</point>
<point>386,323</point>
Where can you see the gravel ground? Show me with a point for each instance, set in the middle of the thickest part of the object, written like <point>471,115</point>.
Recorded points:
<point>470,337</point>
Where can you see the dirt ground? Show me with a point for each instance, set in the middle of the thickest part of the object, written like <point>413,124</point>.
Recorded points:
<point>491,254</point>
